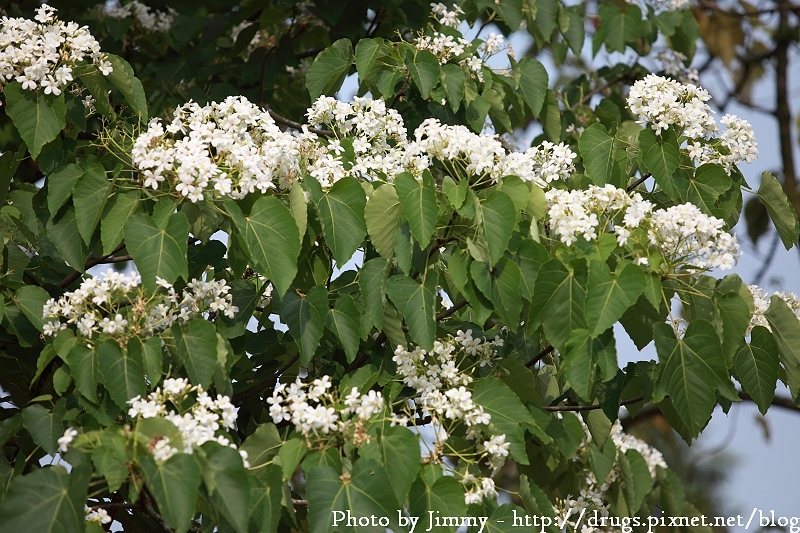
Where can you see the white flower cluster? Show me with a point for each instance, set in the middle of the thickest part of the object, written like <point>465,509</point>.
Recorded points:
<point>664,5</point>
<point>204,421</point>
<point>98,515</point>
<point>442,395</point>
<point>683,234</point>
<point>147,20</point>
<point>761,303</point>
<point>316,410</point>
<point>116,305</point>
<point>663,102</point>
<point>66,439</point>
<point>42,54</point>
<point>448,48</point>
<point>673,63</point>
<point>484,156</point>
<point>234,148</point>
<point>592,496</point>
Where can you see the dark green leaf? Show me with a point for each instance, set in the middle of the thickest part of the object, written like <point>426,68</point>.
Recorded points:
<point>786,332</point>
<point>159,251</point>
<point>608,297</point>
<point>31,299</point>
<point>197,349</point>
<point>341,212</point>
<point>498,218</point>
<point>226,481</point>
<point>272,239</point>
<point>372,282</point>
<point>122,373</point>
<point>397,450</point>
<point>756,367</point>
<point>344,320</point>
<point>660,156</point>
<point>600,155</point>
<point>367,52</point>
<point>83,366</point>
<point>692,371</point>
<point>508,413</point>
<point>533,81</point>
<point>67,239</point>
<point>60,183</point>
<point>129,85</point>
<point>329,69</point>
<point>119,208</point>
<point>443,496</point>
<point>416,302</point>
<point>48,500</point>
<point>89,196</point>
<point>419,206</point>
<point>382,215</point>
<point>38,117</point>
<point>305,316</point>
<point>424,69</point>
<point>174,485</point>
<point>45,427</point>
<point>780,210</point>
<point>452,78</point>
<point>558,302</point>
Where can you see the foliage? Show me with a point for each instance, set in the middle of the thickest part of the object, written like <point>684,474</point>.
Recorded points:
<point>373,306</point>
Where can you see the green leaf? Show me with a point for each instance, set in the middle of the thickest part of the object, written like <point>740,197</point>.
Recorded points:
<point>84,368</point>
<point>367,52</point>
<point>129,85</point>
<point>581,357</point>
<point>226,481</point>
<point>49,500</point>
<point>174,485</point>
<point>265,500</point>
<point>442,497</point>
<point>619,27</point>
<point>536,502</point>
<point>262,445</point>
<point>498,218</point>
<point>509,415</point>
<point>511,12</point>
<point>372,282</point>
<point>60,183</point>
<point>501,286</point>
<point>197,349</point>
<point>96,83</point>
<point>67,239</point>
<point>382,215</point>
<point>551,117</point>
<point>119,208</point>
<point>786,332</point>
<point>477,110</point>
<point>122,373</point>
<point>756,367</point>
<point>31,299</point>
<point>533,81</point>
<point>345,321</point>
<point>452,78</point>
<point>558,302</point>
<point>270,232</point>
<point>290,455</point>
<point>89,196</point>
<point>299,208</point>
<point>693,369</point>
<point>329,69</point>
<point>397,450</point>
<point>38,117</point>
<point>780,210</point>
<point>45,427</point>
<point>305,316</point>
<point>599,152</point>
<point>424,69</point>
<point>110,457</point>
<point>416,302</point>
<point>367,492</point>
<point>158,251</point>
<point>530,256</point>
<point>661,157</point>
<point>341,212</point>
<point>419,206</point>
<point>704,188</point>
<point>635,477</point>
<point>608,297</point>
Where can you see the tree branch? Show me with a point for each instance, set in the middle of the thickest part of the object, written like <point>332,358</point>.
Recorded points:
<point>294,125</point>
<point>149,510</point>
<point>258,387</point>
<point>638,182</point>
<point>576,408</point>
<point>541,355</point>
<point>67,281</point>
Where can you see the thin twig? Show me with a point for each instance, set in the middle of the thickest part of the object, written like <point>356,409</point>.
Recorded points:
<point>773,246</point>
<point>295,125</point>
<point>541,355</point>
<point>638,182</point>
<point>564,408</point>
<point>67,281</point>
<point>266,383</point>
<point>149,510</point>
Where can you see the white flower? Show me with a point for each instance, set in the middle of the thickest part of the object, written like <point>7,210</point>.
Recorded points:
<point>66,439</point>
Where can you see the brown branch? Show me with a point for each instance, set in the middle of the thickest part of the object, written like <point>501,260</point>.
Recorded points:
<point>295,125</point>
<point>149,510</point>
<point>541,355</point>
<point>258,387</point>
<point>638,182</point>
<point>67,281</point>
<point>575,408</point>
